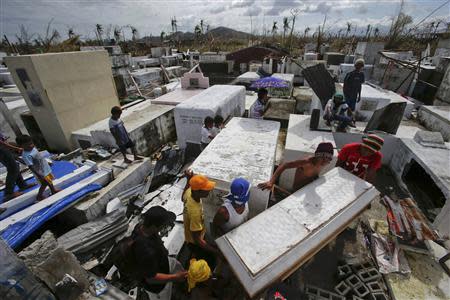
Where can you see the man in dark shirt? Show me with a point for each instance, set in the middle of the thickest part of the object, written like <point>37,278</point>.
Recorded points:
<point>353,83</point>
<point>13,175</point>
<point>154,267</point>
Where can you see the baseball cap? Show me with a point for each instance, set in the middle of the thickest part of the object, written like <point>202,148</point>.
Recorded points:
<point>201,182</point>
<point>239,191</point>
<point>372,142</point>
<point>158,216</point>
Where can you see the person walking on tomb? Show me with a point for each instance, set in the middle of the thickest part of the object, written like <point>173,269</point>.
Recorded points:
<point>353,84</point>
<point>235,210</point>
<point>258,108</point>
<point>13,175</point>
<point>362,159</point>
<point>307,169</point>
<point>338,110</point>
<point>207,132</point>
<point>38,165</point>
<point>193,218</point>
<point>121,135</point>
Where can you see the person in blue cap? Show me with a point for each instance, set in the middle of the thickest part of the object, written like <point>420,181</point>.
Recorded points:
<point>234,211</point>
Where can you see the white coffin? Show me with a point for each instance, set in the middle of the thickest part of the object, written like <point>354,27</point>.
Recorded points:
<point>275,243</point>
<point>245,148</point>
<point>224,100</point>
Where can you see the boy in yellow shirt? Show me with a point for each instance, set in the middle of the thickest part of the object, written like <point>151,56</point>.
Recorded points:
<point>194,226</point>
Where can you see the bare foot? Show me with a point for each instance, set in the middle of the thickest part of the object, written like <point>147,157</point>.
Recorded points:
<point>127,161</point>
<point>56,190</point>
<point>40,198</point>
<point>28,186</point>
<point>138,157</point>
<point>13,195</point>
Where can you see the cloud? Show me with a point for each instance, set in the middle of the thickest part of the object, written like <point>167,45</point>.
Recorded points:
<point>242,3</point>
<point>252,11</point>
<point>362,9</point>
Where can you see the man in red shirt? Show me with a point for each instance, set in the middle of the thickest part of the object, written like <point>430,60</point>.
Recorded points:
<point>362,159</point>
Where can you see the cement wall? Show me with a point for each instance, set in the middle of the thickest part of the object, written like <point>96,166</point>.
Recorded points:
<point>65,91</point>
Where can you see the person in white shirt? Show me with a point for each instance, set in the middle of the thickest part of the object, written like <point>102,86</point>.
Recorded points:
<point>235,210</point>
<point>207,133</point>
<point>258,108</point>
<point>218,125</point>
<point>337,109</point>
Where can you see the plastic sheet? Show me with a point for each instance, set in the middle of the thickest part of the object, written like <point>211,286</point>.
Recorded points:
<point>16,233</point>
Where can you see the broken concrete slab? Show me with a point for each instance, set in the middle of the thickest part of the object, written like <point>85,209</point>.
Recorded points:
<point>146,76</point>
<point>225,100</point>
<point>303,95</point>
<point>18,282</point>
<point>306,221</point>
<point>386,119</point>
<point>57,265</point>
<point>39,250</point>
<point>434,162</point>
<point>93,207</point>
<point>279,109</point>
<point>430,139</point>
<point>149,126</point>
<point>250,156</point>
<point>436,118</point>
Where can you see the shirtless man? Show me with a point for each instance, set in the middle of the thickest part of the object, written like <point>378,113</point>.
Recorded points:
<point>307,169</point>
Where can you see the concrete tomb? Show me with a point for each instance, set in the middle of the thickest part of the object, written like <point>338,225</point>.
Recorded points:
<point>272,245</point>
<point>146,76</point>
<point>436,118</point>
<point>245,148</point>
<point>283,92</point>
<point>65,91</point>
<point>224,100</point>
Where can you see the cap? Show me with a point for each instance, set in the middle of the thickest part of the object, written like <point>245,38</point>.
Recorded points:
<point>201,182</point>
<point>158,216</point>
<point>359,61</point>
<point>372,142</point>
<point>239,191</point>
<point>324,150</point>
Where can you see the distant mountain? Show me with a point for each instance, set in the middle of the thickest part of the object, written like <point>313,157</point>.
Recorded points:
<point>218,33</point>
<point>228,33</point>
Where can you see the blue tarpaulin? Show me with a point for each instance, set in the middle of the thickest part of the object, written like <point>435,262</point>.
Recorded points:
<point>59,169</point>
<point>16,233</point>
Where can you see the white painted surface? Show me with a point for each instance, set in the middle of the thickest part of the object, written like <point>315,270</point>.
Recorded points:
<point>249,100</point>
<point>436,118</point>
<point>245,148</point>
<point>272,245</point>
<point>135,118</point>
<point>248,77</point>
<point>224,100</point>
<point>296,216</point>
<point>176,97</point>
<point>146,76</point>
<point>301,142</point>
<point>376,98</point>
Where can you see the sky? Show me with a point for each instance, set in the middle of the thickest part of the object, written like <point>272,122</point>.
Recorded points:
<point>151,17</point>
